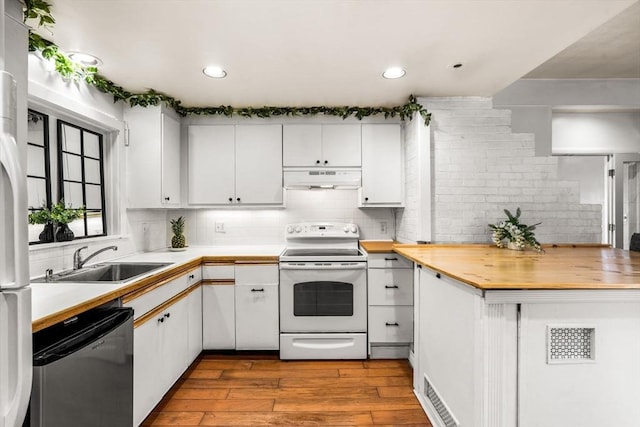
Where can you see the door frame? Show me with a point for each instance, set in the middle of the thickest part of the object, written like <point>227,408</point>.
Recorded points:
<point>617,201</point>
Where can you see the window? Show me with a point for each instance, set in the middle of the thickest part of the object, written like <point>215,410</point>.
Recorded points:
<point>81,176</point>
<point>76,157</point>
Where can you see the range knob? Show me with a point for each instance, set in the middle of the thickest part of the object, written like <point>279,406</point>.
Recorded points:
<point>346,229</point>
<point>298,229</point>
<point>289,229</point>
<point>354,229</point>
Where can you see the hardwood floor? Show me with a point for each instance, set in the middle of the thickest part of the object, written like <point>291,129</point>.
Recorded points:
<point>260,390</point>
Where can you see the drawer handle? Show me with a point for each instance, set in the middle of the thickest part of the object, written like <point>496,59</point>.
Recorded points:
<point>167,315</point>
<point>391,286</point>
<point>392,324</point>
<point>391,259</point>
<point>161,320</point>
<point>257,290</point>
<point>192,276</point>
<point>438,275</point>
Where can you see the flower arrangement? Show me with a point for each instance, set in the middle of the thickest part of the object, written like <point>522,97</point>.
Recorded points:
<point>517,234</point>
<point>58,213</point>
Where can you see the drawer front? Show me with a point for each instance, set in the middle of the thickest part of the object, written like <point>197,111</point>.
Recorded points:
<point>218,272</point>
<point>148,301</point>
<point>390,286</point>
<point>388,260</point>
<point>391,324</point>
<point>194,276</point>
<point>251,274</point>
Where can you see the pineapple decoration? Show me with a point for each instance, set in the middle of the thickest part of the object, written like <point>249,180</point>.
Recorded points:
<point>178,240</point>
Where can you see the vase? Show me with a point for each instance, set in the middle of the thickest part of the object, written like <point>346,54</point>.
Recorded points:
<point>514,247</point>
<point>64,233</point>
<point>47,233</point>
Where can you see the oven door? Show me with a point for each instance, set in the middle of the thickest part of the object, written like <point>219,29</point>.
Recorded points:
<point>323,297</point>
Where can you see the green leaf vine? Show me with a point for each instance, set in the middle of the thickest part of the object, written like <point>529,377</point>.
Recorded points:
<point>40,10</point>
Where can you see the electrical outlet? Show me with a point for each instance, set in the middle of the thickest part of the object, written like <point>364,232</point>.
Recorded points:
<point>383,227</point>
<point>220,227</point>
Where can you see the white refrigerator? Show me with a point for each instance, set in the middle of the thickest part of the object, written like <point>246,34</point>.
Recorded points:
<point>15,295</point>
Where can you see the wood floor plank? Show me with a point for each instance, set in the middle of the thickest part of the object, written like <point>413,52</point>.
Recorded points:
<point>204,373</point>
<point>174,419</point>
<point>201,393</point>
<point>412,416</point>
<point>303,373</point>
<point>287,419</point>
<point>253,383</point>
<point>339,405</point>
<point>381,372</point>
<point>303,393</point>
<point>330,383</point>
<point>386,363</point>
<point>306,364</point>
<point>405,391</point>
<point>212,405</point>
<point>223,364</point>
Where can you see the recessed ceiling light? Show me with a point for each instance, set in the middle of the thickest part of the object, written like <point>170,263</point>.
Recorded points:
<point>215,72</point>
<point>85,59</point>
<point>394,73</point>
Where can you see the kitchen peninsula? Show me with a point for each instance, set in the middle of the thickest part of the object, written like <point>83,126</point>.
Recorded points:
<point>506,338</point>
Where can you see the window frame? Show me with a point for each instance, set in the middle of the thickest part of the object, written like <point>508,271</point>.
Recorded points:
<point>47,159</point>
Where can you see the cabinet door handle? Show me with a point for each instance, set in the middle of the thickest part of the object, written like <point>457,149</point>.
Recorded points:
<point>438,275</point>
<point>161,320</point>
<point>366,199</point>
<point>392,324</point>
<point>257,290</point>
<point>167,315</point>
<point>391,259</point>
<point>192,276</point>
<point>391,286</point>
<point>317,162</point>
<point>238,199</point>
<point>231,199</point>
<point>326,162</point>
<point>167,198</point>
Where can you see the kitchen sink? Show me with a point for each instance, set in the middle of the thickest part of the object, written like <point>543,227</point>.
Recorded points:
<point>109,272</point>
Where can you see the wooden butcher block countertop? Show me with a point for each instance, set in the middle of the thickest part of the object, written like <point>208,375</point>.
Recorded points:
<point>561,267</point>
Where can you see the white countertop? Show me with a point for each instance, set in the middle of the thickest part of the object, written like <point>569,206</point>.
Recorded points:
<point>51,298</point>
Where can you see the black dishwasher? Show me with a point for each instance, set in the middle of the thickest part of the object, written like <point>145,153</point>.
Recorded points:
<point>83,371</point>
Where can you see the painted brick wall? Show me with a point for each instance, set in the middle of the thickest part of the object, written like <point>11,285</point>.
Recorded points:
<point>480,168</point>
<point>408,217</point>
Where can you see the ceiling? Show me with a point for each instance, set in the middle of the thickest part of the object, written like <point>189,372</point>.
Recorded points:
<point>333,52</point>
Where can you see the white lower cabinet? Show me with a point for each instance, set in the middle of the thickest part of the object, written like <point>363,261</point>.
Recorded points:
<point>195,323</point>
<point>218,316</point>
<point>160,355</point>
<point>256,306</point>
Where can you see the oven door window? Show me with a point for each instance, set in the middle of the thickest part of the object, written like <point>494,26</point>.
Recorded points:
<point>323,299</point>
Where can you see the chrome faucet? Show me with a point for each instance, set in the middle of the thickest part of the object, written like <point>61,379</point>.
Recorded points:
<point>78,262</point>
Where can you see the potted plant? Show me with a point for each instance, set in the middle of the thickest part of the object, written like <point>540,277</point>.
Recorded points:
<point>517,235</point>
<point>43,216</point>
<point>59,214</point>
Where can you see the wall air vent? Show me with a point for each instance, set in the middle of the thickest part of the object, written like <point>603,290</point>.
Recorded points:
<point>446,417</point>
<point>571,344</point>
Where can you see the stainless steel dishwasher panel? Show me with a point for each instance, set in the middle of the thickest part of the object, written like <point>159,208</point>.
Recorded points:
<point>92,386</point>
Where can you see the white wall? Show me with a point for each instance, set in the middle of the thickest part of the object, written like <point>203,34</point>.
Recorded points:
<point>480,168</point>
<point>595,133</point>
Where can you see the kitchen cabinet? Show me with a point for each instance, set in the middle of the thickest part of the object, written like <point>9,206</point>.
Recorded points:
<point>153,157</point>
<point>195,323</point>
<point>256,300</point>
<point>218,316</point>
<point>382,166</point>
<point>235,165</point>
<point>390,299</point>
<point>322,145</point>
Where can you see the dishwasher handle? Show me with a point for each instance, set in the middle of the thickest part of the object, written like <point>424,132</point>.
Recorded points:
<point>80,336</point>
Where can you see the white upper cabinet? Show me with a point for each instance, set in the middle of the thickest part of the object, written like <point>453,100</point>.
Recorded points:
<point>153,157</point>
<point>321,145</point>
<point>382,166</point>
<point>235,164</point>
<point>211,164</point>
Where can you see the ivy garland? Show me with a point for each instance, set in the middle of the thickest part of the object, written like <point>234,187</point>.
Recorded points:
<point>40,10</point>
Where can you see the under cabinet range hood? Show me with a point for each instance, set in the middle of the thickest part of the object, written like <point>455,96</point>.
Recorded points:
<point>320,178</point>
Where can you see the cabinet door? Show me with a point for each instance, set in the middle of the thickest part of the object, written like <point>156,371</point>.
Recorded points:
<point>259,164</point>
<point>175,342</point>
<point>144,160</point>
<point>147,366</point>
<point>211,164</point>
<point>341,145</point>
<point>302,145</point>
<point>218,317</point>
<point>381,165</point>
<point>170,161</point>
<point>257,326</point>
<point>195,323</point>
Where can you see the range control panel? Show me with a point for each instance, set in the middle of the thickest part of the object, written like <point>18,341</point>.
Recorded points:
<point>322,230</point>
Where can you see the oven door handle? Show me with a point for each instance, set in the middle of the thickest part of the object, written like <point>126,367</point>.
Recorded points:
<point>323,266</point>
